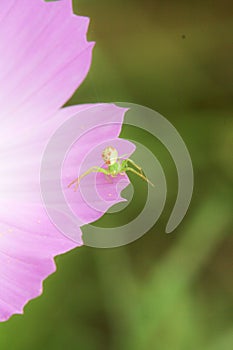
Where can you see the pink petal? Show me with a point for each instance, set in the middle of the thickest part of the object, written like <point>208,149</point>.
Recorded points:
<point>87,132</point>
<point>28,238</point>
<point>44,58</point>
<point>27,249</point>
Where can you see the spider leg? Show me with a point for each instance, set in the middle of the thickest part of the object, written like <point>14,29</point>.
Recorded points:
<point>140,175</point>
<point>123,155</point>
<point>94,169</point>
<point>135,165</point>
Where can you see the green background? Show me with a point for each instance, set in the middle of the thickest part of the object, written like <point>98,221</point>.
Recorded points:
<point>163,291</point>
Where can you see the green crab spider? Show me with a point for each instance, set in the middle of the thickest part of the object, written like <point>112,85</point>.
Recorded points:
<point>115,166</point>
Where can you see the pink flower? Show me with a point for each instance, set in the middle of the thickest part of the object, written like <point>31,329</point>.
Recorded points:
<point>44,57</point>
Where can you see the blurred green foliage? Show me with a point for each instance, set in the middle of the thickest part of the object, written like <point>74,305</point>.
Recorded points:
<point>163,291</point>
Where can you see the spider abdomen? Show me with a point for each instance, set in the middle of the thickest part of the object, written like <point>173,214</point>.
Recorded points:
<point>110,155</point>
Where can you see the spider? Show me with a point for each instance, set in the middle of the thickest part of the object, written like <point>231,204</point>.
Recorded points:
<point>115,166</point>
